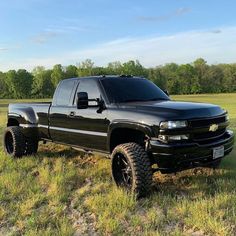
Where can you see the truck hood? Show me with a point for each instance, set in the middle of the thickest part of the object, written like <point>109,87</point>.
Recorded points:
<point>174,109</point>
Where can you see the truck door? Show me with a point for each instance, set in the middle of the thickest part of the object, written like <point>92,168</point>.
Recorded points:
<point>59,121</point>
<point>89,128</point>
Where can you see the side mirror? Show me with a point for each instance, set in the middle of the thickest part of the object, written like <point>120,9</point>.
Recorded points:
<point>166,92</point>
<point>82,100</point>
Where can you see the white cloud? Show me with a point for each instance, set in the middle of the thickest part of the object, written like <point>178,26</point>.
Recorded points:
<point>214,45</point>
<point>55,31</point>
<point>44,37</point>
<point>178,12</point>
<point>3,49</point>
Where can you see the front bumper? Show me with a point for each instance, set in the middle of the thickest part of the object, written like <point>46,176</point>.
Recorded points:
<point>176,157</point>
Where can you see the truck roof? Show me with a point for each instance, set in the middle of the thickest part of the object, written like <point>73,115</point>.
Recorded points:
<point>98,77</point>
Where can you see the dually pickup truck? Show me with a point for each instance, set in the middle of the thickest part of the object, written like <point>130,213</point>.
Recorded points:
<point>129,118</point>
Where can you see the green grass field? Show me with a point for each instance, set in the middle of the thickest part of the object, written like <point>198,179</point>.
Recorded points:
<point>64,192</point>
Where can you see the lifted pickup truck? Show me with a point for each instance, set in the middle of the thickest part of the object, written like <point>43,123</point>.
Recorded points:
<point>128,117</point>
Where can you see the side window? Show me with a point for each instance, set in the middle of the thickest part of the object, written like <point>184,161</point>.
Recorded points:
<point>64,93</point>
<point>90,86</point>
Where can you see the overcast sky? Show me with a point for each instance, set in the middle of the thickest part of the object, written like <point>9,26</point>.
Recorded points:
<point>48,32</point>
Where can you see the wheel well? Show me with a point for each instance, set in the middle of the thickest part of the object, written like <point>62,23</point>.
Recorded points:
<point>125,135</point>
<point>12,122</point>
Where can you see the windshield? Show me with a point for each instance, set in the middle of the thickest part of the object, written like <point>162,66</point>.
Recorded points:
<point>121,90</point>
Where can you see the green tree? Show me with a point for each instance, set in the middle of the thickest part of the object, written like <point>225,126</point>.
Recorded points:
<point>85,68</point>
<point>71,71</point>
<point>42,86</point>
<point>133,68</point>
<point>99,71</point>
<point>213,80</point>
<point>19,83</point>
<point>186,77</point>
<point>169,73</point>
<point>10,78</point>
<point>198,77</point>
<point>229,79</point>
<point>195,85</point>
<point>154,74</point>
<point>57,74</point>
<point>4,92</point>
<point>114,68</point>
<point>201,69</point>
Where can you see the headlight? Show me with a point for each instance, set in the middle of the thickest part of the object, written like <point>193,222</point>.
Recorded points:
<point>167,138</point>
<point>173,124</point>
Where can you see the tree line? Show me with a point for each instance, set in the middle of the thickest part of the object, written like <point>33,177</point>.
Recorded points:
<point>194,78</point>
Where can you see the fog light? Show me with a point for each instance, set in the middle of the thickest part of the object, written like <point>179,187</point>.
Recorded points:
<point>166,138</point>
<point>178,137</point>
<point>163,138</point>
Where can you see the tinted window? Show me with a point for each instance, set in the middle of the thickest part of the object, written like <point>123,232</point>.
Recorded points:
<point>64,92</point>
<point>131,90</point>
<point>90,86</point>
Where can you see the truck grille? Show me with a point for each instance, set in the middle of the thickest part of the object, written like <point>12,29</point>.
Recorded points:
<point>201,132</point>
<point>209,135</point>
<point>207,122</point>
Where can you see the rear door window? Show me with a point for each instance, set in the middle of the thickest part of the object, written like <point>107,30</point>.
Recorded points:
<point>65,92</point>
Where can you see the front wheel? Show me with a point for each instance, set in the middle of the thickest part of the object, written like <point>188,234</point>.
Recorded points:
<point>131,168</point>
<point>14,141</point>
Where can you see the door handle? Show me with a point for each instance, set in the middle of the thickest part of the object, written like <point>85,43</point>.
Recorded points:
<point>72,113</point>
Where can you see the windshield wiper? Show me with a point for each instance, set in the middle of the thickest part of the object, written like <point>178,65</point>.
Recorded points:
<point>133,100</point>
<point>143,100</point>
<point>156,99</point>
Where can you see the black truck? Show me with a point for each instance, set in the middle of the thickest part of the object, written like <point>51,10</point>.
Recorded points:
<point>129,118</point>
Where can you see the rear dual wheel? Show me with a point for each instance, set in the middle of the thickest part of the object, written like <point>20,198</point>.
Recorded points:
<point>15,143</point>
<point>31,147</point>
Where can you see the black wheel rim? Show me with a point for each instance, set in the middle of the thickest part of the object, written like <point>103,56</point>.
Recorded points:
<point>9,143</point>
<point>122,171</point>
<point>28,149</point>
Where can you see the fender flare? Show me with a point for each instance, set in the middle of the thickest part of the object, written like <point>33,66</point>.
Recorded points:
<point>24,116</point>
<point>147,130</point>
<point>27,120</point>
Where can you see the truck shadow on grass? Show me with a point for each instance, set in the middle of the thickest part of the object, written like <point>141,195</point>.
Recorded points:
<point>58,151</point>
<point>53,152</point>
<point>189,183</point>
<point>198,182</point>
